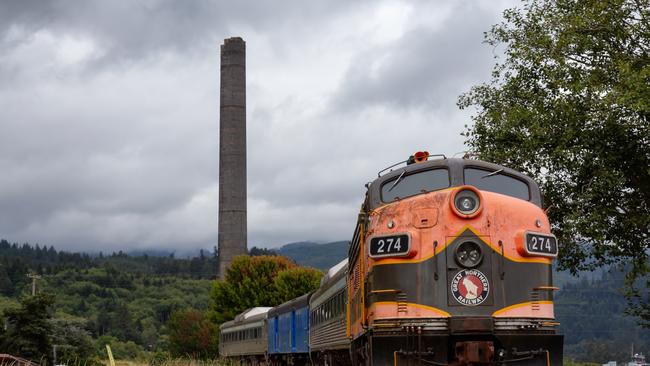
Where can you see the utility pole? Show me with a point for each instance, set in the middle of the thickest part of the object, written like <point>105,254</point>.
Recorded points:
<point>34,277</point>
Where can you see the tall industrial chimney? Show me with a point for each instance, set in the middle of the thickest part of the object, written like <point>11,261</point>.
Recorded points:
<point>232,153</point>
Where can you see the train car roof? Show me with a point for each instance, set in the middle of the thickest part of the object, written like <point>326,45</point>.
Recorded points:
<point>249,315</point>
<point>289,306</point>
<point>456,168</point>
<point>336,269</point>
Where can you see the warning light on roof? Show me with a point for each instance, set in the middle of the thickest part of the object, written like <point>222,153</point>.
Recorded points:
<point>418,157</point>
<point>421,156</point>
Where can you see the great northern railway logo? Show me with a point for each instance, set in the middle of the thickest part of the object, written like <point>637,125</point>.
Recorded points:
<point>470,287</point>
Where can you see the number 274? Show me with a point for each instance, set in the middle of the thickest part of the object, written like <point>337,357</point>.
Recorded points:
<point>541,243</point>
<point>388,245</point>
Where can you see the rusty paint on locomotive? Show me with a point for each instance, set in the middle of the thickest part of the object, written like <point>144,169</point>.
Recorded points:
<point>406,287</point>
<point>429,218</point>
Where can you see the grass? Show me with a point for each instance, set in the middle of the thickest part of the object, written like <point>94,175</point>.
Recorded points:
<point>175,362</point>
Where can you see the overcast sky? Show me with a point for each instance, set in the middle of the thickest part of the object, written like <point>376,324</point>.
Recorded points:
<point>109,112</point>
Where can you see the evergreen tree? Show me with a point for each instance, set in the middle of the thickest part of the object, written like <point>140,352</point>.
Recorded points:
<point>29,329</point>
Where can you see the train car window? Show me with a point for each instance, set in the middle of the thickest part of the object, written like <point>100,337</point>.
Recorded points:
<point>413,184</point>
<point>337,310</point>
<point>498,183</point>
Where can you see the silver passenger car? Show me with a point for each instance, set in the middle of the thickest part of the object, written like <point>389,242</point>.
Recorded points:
<point>327,334</point>
<point>245,338</point>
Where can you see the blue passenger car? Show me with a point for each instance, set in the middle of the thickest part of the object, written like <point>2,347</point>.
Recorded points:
<point>288,329</point>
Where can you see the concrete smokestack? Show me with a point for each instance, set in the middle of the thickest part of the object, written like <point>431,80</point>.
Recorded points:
<point>232,153</point>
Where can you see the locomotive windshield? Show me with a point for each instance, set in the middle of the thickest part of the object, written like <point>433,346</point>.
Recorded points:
<point>498,183</point>
<point>416,183</point>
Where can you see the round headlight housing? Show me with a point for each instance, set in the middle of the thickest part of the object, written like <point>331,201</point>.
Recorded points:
<point>467,202</point>
<point>469,254</point>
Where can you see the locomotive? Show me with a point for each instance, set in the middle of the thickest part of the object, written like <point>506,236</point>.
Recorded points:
<point>450,264</point>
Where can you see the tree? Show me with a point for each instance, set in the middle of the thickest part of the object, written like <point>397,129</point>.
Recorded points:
<point>192,334</point>
<point>248,283</point>
<point>29,329</point>
<point>569,104</point>
<point>73,342</point>
<point>297,281</point>
<point>255,251</point>
<point>259,281</point>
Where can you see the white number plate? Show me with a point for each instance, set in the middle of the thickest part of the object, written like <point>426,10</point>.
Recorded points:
<point>389,246</point>
<point>541,244</point>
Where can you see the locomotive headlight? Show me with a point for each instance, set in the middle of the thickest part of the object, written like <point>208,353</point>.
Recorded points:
<point>469,254</point>
<point>467,202</point>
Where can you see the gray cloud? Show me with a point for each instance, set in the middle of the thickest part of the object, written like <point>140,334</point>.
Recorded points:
<point>425,67</point>
<point>136,29</point>
<point>109,113</point>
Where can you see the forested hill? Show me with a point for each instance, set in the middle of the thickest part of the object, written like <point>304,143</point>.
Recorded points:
<point>108,298</point>
<point>16,261</point>
<point>310,254</point>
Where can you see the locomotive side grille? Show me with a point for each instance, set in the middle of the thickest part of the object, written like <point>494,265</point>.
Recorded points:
<point>534,298</point>
<point>357,276</point>
<point>402,306</point>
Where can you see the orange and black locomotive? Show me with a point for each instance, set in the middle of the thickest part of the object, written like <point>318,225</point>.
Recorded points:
<point>451,263</point>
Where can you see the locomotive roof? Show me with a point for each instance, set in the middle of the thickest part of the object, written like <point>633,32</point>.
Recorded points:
<point>456,168</point>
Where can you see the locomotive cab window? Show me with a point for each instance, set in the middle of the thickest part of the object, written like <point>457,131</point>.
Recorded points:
<point>496,182</point>
<point>415,183</point>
